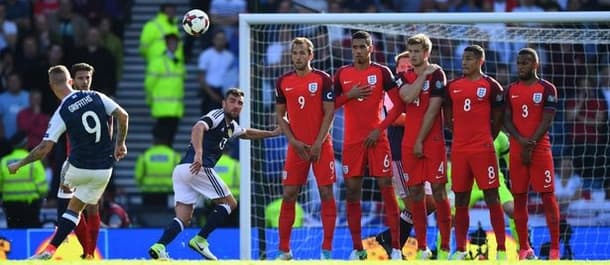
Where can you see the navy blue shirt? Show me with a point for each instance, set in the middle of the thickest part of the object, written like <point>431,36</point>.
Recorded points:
<point>216,135</point>
<point>84,115</point>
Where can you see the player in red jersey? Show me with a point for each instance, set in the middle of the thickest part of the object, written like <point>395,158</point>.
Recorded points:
<point>531,107</point>
<point>423,146</point>
<point>363,145</point>
<point>473,109</point>
<point>305,95</point>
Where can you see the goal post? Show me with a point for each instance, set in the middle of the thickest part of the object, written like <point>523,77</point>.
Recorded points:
<point>255,79</point>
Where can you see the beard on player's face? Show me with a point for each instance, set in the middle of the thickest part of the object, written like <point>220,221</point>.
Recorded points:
<point>526,75</point>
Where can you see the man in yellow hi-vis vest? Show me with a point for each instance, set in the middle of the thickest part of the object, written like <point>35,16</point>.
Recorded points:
<point>153,172</point>
<point>152,38</point>
<point>22,192</point>
<point>164,84</point>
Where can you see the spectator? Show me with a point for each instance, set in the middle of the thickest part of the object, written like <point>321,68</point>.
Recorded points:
<point>587,118</point>
<point>112,214</point>
<point>32,122</point>
<point>19,11</point>
<point>113,44</point>
<point>72,27</point>
<point>7,66</point>
<point>46,37</point>
<point>567,185</point>
<point>101,59</point>
<point>29,63</point>
<point>152,38</point>
<point>22,192</point>
<point>225,15</point>
<point>45,7</point>
<point>8,38</point>
<point>214,64</point>
<point>153,172</point>
<point>11,102</point>
<point>54,56</point>
<point>164,84</point>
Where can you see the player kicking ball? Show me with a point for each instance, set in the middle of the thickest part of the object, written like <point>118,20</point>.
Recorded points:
<point>195,175</point>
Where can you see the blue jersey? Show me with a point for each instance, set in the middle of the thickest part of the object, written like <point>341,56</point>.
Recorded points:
<point>84,115</point>
<point>217,134</point>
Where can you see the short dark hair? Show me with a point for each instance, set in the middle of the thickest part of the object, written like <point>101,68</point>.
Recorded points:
<point>529,51</point>
<point>235,92</point>
<point>363,35</point>
<point>478,51</point>
<point>77,67</point>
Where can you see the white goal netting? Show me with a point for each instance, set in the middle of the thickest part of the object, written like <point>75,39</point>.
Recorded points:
<point>575,57</point>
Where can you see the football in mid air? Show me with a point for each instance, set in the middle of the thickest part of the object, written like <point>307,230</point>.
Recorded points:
<point>195,22</point>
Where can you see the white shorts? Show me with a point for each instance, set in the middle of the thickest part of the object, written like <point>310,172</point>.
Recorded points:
<point>188,187</point>
<point>62,176</point>
<point>400,181</point>
<point>89,184</point>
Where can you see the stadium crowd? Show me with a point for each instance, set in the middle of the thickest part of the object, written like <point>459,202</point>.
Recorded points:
<point>37,34</point>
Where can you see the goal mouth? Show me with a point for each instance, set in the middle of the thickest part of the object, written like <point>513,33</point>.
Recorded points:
<point>574,50</point>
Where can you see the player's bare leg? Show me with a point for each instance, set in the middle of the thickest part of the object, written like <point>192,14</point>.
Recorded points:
<point>417,195</point>
<point>286,220</point>
<point>329,218</point>
<point>184,213</point>
<point>496,216</point>
<point>353,195</point>
<point>392,214</point>
<point>224,207</point>
<point>443,217</point>
<point>551,211</point>
<point>65,225</point>
<point>462,222</point>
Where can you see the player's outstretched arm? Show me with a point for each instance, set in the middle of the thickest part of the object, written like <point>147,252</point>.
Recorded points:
<point>122,117</point>
<point>40,151</point>
<point>255,134</point>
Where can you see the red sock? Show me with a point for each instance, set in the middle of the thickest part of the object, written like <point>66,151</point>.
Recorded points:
<point>496,215</point>
<point>443,217</point>
<point>93,225</point>
<point>354,215</point>
<point>551,210</point>
<point>418,213</point>
<point>329,218</point>
<point>462,221</point>
<point>81,233</point>
<point>520,216</point>
<point>392,214</point>
<point>285,224</point>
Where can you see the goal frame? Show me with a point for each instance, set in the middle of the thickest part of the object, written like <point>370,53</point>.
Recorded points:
<point>246,20</point>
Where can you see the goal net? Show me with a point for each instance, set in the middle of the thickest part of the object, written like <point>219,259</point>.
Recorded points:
<point>574,55</point>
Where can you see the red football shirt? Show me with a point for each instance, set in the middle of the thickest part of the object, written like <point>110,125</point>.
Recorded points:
<point>528,102</point>
<point>434,86</point>
<point>363,115</point>
<point>472,102</point>
<point>303,96</point>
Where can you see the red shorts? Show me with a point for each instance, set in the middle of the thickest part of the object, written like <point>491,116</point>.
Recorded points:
<point>481,166</point>
<point>296,169</point>
<point>540,173</point>
<point>378,159</point>
<point>430,168</point>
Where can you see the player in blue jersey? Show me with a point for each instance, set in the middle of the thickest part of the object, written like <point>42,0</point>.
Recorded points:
<point>84,115</point>
<point>195,174</point>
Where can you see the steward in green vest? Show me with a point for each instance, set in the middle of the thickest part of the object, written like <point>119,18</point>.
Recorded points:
<point>164,84</point>
<point>228,170</point>
<point>22,192</point>
<point>152,38</point>
<point>153,172</point>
